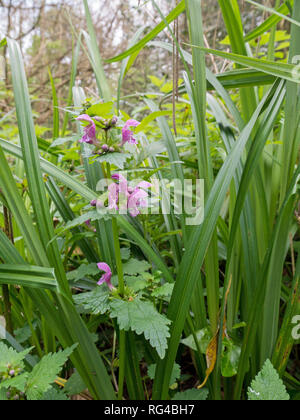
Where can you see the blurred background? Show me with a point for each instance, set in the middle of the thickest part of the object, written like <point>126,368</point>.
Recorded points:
<point>47,31</point>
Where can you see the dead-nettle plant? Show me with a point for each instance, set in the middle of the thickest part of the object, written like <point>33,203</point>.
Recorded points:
<point>118,195</point>
<point>154,244</point>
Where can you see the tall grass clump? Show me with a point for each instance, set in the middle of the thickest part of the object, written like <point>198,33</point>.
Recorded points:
<point>221,296</point>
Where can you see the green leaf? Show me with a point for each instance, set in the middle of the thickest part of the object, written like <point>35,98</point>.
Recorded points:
<point>54,395</point>
<point>3,42</point>
<point>29,276</point>
<point>19,382</point>
<point>95,302</point>
<point>192,395</point>
<point>136,283</point>
<point>80,220</point>
<point>273,11</point>
<point>45,373</point>
<point>276,68</point>
<point>147,120</point>
<point>230,358</point>
<point>117,159</point>
<point>104,110</point>
<point>135,267</point>
<point>159,28</point>
<point>3,396</point>
<point>11,359</point>
<point>174,377</point>
<point>83,271</point>
<point>62,140</point>
<point>142,318</point>
<point>164,291</point>
<point>75,385</point>
<point>204,337</point>
<point>267,386</point>
<point>268,23</point>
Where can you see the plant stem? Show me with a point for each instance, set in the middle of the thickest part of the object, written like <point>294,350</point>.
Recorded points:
<point>122,349</point>
<point>122,335</point>
<point>118,256</point>
<point>5,287</point>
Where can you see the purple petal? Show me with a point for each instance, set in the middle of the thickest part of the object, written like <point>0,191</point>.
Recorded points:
<point>127,134</point>
<point>85,118</point>
<point>144,184</point>
<point>131,123</point>
<point>135,200</point>
<point>123,184</point>
<point>89,131</point>
<point>106,278</point>
<point>113,196</point>
<point>104,267</point>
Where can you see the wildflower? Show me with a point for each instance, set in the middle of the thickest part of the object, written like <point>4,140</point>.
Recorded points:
<point>138,199</point>
<point>89,135</point>
<point>106,278</point>
<point>127,134</point>
<point>133,199</point>
<point>105,148</point>
<point>113,197</point>
<point>114,121</point>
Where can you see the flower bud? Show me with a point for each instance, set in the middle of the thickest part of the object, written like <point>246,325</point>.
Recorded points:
<point>114,121</point>
<point>105,148</point>
<point>111,149</point>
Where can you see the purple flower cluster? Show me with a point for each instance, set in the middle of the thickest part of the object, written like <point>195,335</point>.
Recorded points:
<point>133,198</point>
<point>89,135</point>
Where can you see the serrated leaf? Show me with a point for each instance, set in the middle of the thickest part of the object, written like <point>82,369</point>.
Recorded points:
<point>45,372</point>
<point>54,395</point>
<point>192,395</point>
<point>164,291</point>
<point>268,386</point>
<point>9,356</point>
<point>95,302</point>
<point>75,385</point>
<point>175,373</point>
<point>19,382</point>
<point>135,267</point>
<point>136,283</point>
<point>142,318</point>
<point>117,159</point>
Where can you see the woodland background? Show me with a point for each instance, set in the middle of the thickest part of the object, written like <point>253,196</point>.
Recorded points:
<point>45,30</point>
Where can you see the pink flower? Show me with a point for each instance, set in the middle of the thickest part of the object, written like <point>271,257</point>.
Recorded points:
<point>113,197</point>
<point>89,135</point>
<point>138,198</point>
<point>106,278</point>
<point>123,197</point>
<point>127,134</point>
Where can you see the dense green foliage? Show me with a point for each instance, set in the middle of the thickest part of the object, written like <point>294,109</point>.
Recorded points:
<point>212,304</point>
